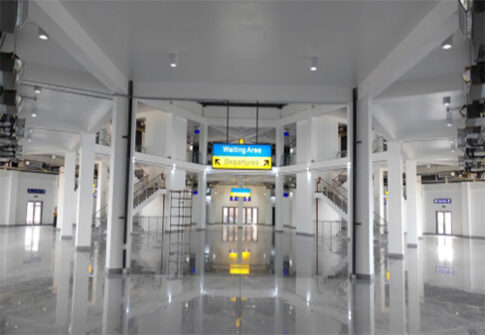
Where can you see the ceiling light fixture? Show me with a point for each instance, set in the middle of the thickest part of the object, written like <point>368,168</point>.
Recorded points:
<point>41,34</point>
<point>173,60</point>
<point>34,113</point>
<point>447,44</point>
<point>37,89</point>
<point>314,64</point>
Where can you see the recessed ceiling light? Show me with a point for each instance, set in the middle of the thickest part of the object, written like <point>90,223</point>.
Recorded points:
<point>41,34</point>
<point>447,44</point>
<point>37,89</point>
<point>53,156</point>
<point>34,113</point>
<point>173,60</point>
<point>314,64</point>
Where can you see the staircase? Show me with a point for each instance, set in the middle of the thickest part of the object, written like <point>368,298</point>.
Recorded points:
<point>144,191</point>
<point>335,195</point>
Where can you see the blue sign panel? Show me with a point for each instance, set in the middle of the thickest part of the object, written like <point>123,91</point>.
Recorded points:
<point>36,190</point>
<point>442,201</point>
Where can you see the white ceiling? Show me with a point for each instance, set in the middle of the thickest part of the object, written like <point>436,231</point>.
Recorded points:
<point>247,43</point>
<point>254,42</point>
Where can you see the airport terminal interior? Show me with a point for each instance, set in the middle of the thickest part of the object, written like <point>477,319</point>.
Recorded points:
<point>242,167</point>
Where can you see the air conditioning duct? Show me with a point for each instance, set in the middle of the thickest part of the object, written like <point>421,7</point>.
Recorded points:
<point>12,14</point>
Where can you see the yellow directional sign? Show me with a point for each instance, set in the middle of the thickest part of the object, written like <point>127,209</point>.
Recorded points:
<point>246,163</point>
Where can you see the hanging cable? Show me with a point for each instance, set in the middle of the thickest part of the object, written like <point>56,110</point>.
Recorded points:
<point>257,120</point>
<point>227,122</point>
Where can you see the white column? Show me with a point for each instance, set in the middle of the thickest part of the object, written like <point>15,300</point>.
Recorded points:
<point>80,293</point>
<point>85,205</point>
<point>268,219</point>
<point>117,186</point>
<point>412,203</point>
<point>363,311</point>
<point>363,207</point>
<point>113,311</point>
<point>60,198</point>
<point>203,142</point>
<point>465,207</point>
<point>304,204</point>
<point>414,299</point>
<point>67,210</point>
<point>304,189</point>
<point>279,212</point>
<point>200,201</point>
<point>397,299</point>
<point>13,181</point>
<point>394,179</point>
<point>102,188</point>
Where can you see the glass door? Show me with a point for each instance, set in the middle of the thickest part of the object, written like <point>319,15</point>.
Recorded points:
<point>34,213</point>
<point>443,222</point>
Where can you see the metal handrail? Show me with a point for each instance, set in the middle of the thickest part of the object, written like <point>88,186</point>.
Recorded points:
<point>148,189</point>
<point>334,194</point>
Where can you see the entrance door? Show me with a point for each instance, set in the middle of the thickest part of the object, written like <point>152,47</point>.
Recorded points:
<point>443,222</point>
<point>34,213</point>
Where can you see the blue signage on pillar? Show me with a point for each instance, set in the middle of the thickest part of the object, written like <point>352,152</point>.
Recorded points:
<point>442,201</point>
<point>36,191</point>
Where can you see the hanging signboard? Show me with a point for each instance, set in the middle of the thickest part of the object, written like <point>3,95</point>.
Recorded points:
<point>240,192</point>
<point>241,156</point>
<point>442,201</point>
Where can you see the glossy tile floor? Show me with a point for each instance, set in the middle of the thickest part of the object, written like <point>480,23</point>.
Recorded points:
<point>189,283</point>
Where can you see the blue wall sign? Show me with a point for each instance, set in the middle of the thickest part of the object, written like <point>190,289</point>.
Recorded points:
<point>285,194</point>
<point>36,190</point>
<point>442,200</point>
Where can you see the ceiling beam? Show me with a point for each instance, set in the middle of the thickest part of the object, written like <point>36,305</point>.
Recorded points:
<point>440,23</point>
<point>70,35</point>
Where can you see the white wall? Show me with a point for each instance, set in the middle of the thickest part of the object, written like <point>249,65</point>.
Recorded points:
<point>19,191</point>
<point>220,198</point>
<point>477,209</point>
<point>468,210</point>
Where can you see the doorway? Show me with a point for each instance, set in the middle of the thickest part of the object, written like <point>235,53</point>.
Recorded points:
<point>34,213</point>
<point>443,222</point>
<point>230,215</point>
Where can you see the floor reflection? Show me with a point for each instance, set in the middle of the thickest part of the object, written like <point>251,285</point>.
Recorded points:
<point>244,281</point>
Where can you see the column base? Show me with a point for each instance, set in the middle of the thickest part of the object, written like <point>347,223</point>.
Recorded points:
<point>412,245</point>
<point>305,234</point>
<point>362,277</point>
<point>199,229</point>
<point>279,231</point>
<point>66,237</point>
<point>111,272</point>
<point>395,256</point>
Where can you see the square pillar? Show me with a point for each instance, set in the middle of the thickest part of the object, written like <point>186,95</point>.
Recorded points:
<point>412,203</point>
<point>395,223</point>
<point>363,207</point>
<point>66,212</point>
<point>102,189</point>
<point>465,207</point>
<point>119,177</point>
<point>199,201</point>
<point>304,204</point>
<point>279,213</point>
<point>85,205</point>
